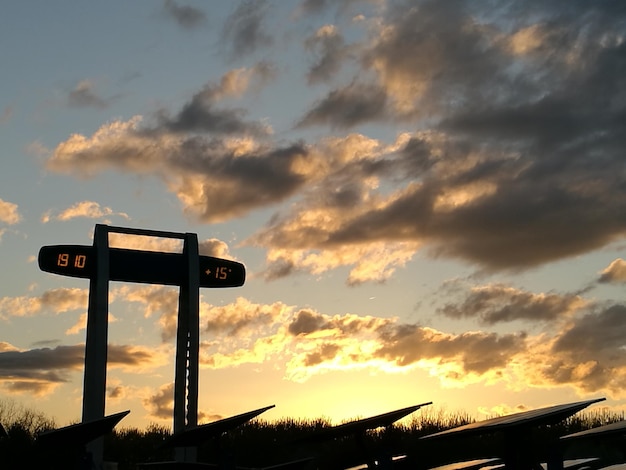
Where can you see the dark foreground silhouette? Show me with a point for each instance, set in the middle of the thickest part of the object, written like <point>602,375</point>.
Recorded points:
<point>312,443</point>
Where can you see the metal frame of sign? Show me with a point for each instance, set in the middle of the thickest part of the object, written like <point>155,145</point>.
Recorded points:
<point>188,329</point>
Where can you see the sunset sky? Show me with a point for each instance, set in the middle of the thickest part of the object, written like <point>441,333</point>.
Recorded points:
<point>429,198</point>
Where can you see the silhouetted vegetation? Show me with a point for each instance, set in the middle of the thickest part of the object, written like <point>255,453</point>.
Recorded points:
<point>262,443</point>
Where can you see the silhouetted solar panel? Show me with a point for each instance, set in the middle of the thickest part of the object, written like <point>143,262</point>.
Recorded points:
<point>197,435</point>
<point>613,428</point>
<point>520,447</point>
<point>294,465</point>
<point>541,416</point>
<point>78,435</point>
<point>618,466</point>
<point>179,466</point>
<point>362,425</point>
<point>575,464</point>
<point>469,464</point>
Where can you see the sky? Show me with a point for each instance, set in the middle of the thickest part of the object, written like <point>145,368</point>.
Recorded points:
<point>429,198</point>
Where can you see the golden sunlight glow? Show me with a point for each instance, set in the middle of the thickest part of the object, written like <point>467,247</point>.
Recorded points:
<point>453,198</point>
<point>527,40</point>
<point>241,145</point>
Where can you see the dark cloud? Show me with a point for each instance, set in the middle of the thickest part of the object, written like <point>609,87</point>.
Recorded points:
<point>241,318</point>
<point>317,7</point>
<point>244,30</point>
<point>236,185</point>
<point>590,353</point>
<point>348,107</point>
<point>54,365</point>
<point>306,322</point>
<point>186,16</point>
<point>515,158</point>
<point>476,352</point>
<point>215,179</point>
<point>498,303</point>
<point>84,96</point>
<point>522,97</point>
<point>434,57</point>
<point>161,404</point>
<point>313,6</point>
<point>115,392</point>
<point>326,352</point>
<point>201,115</point>
<point>34,361</point>
<point>279,269</point>
<point>46,343</point>
<point>122,355</point>
<point>596,334</point>
<point>329,50</point>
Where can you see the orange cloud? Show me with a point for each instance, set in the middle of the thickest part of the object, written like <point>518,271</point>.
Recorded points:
<point>615,272</point>
<point>9,213</point>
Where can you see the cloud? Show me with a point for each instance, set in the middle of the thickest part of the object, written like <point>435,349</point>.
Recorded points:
<point>512,158</point>
<point>214,180</point>
<point>57,300</point>
<point>214,247</point>
<point>582,348</point>
<point>208,247</point>
<point>614,273</point>
<point>327,45</point>
<point>244,30</point>
<point>159,300</point>
<point>588,354</point>
<point>236,82</point>
<point>87,209</point>
<point>84,96</point>
<point>470,352</point>
<point>9,213</point>
<point>6,114</point>
<point>186,16</point>
<point>351,342</point>
<point>242,316</point>
<point>146,243</point>
<point>200,115</point>
<point>39,371</point>
<point>313,6</point>
<point>374,262</point>
<point>161,404</point>
<point>347,107</point>
<point>308,343</point>
<point>498,303</point>
<point>81,324</point>
<point>242,333</point>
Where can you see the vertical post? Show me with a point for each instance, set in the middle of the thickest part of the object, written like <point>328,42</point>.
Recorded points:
<point>94,386</point>
<point>192,296</point>
<point>187,347</point>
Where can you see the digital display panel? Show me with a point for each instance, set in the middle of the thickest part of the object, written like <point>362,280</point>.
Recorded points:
<point>148,267</point>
